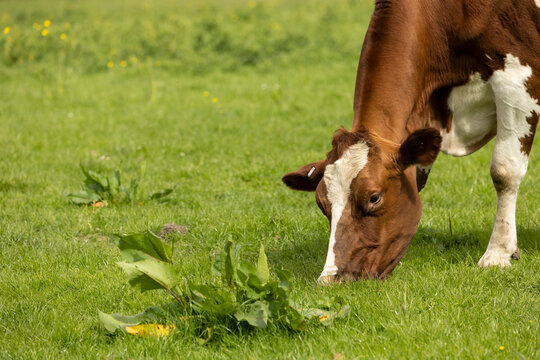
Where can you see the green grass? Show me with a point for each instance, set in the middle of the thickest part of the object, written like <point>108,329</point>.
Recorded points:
<point>282,93</point>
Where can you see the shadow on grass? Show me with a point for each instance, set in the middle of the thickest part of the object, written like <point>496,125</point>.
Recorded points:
<point>16,186</point>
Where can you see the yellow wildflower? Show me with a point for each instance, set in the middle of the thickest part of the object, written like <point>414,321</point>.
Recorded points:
<point>123,63</point>
<point>206,93</point>
<point>67,26</point>
<point>215,100</point>
<point>7,29</point>
<point>501,348</point>
<point>252,4</point>
<point>324,317</point>
<point>134,59</point>
<point>44,32</point>
<point>37,26</point>
<point>110,64</point>
<point>63,36</point>
<point>47,23</point>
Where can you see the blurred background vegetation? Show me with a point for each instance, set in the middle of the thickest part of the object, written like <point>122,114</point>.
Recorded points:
<point>184,36</point>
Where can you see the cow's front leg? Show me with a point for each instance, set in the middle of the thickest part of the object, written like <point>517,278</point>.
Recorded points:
<point>506,177</point>
<point>517,117</point>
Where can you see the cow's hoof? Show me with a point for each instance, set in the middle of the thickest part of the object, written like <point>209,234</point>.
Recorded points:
<point>494,258</point>
<point>516,255</point>
<point>328,280</point>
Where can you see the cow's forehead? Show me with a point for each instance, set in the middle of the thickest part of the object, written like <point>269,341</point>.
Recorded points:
<point>339,175</point>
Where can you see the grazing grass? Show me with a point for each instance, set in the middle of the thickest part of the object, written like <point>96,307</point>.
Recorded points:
<point>132,85</point>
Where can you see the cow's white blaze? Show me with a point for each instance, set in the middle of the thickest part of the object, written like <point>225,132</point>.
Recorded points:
<point>338,178</point>
<point>508,163</point>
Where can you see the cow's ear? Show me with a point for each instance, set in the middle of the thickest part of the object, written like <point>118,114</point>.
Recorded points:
<point>307,177</point>
<point>420,148</point>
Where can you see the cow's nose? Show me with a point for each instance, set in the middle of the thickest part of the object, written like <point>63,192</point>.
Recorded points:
<point>328,279</point>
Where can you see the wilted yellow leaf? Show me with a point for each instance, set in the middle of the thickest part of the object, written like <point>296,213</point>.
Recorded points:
<point>98,204</point>
<point>149,330</point>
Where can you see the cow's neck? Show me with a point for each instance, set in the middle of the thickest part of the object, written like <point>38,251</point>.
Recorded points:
<point>395,79</point>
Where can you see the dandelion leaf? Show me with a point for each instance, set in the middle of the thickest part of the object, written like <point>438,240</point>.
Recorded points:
<point>262,265</point>
<point>84,197</point>
<point>150,274</point>
<point>256,314</point>
<point>113,322</point>
<point>146,242</point>
<point>160,194</point>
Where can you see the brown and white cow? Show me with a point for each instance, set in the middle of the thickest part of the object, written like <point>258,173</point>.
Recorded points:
<point>433,75</point>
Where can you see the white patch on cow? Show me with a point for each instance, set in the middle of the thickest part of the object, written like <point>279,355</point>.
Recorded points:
<point>474,120</point>
<point>338,178</point>
<point>537,2</point>
<point>508,163</point>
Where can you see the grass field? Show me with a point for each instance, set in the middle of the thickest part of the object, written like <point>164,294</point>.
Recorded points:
<point>219,101</point>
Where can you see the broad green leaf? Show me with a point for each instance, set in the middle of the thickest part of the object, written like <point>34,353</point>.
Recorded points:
<point>344,311</point>
<point>150,274</point>
<point>329,303</point>
<point>211,300</point>
<point>112,322</point>
<point>94,177</point>
<point>114,183</point>
<point>295,320</point>
<point>146,242</point>
<point>132,255</point>
<point>255,314</point>
<point>132,191</point>
<point>160,194</point>
<point>262,265</point>
<point>83,197</point>
<point>284,279</point>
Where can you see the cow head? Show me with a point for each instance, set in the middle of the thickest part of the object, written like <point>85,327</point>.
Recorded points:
<point>367,189</point>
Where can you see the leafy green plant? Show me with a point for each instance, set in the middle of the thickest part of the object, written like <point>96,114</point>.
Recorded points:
<point>246,296</point>
<point>99,187</point>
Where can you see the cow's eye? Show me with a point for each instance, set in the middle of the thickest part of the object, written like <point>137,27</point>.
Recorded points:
<point>375,198</point>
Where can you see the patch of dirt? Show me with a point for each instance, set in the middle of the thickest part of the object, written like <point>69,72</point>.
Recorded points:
<point>171,229</point>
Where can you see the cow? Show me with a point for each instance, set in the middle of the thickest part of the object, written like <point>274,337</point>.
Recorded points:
<point>433,75</point>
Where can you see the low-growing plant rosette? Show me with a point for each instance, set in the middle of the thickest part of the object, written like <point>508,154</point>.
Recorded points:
<point>246,296</point>
<point>100,190</point>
